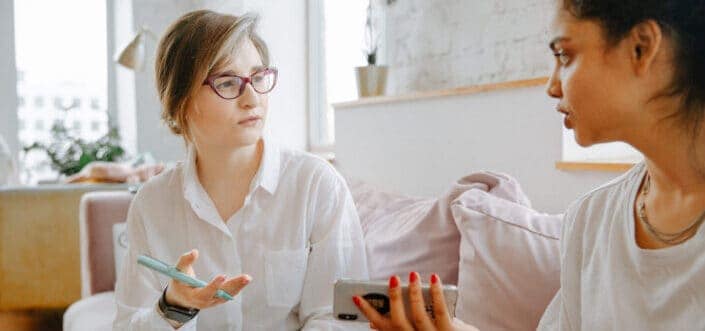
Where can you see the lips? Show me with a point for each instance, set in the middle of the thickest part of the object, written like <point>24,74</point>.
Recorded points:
<point>250,119</point>
<point>566,120</point>
<point>562,109</point>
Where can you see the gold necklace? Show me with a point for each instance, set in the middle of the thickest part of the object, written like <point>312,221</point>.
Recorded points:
<point>666,238</point>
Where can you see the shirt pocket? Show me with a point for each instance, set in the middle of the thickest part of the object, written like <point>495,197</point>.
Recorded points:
<point>285,271</point>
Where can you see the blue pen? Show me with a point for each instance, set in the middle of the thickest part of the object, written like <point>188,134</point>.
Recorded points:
<point>174,273</point>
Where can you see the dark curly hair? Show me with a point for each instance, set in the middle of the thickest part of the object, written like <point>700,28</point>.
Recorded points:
<point>683,21</point>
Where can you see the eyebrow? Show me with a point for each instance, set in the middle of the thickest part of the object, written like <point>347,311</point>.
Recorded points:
<point>252,70</point>
<point>552,44</point>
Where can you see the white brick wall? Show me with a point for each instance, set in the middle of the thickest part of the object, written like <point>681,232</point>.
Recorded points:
<point>439,44</point>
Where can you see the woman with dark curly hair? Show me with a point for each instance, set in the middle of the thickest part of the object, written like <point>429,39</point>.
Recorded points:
<point>633,250</point>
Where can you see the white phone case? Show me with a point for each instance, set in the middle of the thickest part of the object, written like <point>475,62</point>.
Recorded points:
<point>375,292</point>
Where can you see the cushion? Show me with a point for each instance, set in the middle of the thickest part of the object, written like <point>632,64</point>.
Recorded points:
<point>94,313</point>
<point>404,234</point>
<point>98,212</point>
<point>509,257</point>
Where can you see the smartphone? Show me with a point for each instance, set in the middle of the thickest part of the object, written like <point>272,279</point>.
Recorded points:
<point>375,292</point>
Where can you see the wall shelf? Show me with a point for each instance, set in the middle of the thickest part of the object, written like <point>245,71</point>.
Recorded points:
<point>442,93</point>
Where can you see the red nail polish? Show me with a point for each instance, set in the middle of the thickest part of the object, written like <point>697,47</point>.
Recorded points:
<point>393,282</point>
<point>434,279</point>
<point>413,276</point>
<point>356,301</point>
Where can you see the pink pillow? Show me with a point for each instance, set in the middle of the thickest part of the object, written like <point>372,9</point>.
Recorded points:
<point>509,258</point>
<point>404,234</point>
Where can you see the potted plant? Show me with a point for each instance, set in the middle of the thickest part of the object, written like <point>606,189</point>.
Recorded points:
<point>371,79</point>
<point>68,154</point>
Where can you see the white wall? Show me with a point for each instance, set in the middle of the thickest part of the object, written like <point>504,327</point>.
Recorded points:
<point>8,72</point>
<point>152,135</point>
<point>420,147</point>
<point>121,81</point>
<point>283,26</point>
<point>436,44</point>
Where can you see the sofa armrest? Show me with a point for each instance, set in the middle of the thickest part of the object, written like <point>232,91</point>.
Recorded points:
<point>98,212</point>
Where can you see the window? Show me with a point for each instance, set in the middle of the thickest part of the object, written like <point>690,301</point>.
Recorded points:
<point>61,65</point>
<point>95,104</point>
<point>38,101</point>
<point>339,41</point>
<point>58,103</point>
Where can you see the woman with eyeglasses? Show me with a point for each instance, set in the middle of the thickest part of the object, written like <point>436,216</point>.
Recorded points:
<point>273,227</point>
<point>632,250</point>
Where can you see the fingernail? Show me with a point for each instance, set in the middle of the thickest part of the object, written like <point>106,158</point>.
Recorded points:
<point>413,277</point>
<point>247,279</point>
<point>220,279</point>
<point>434,279</point>
<point>393,282</point>
<point>356,301</point>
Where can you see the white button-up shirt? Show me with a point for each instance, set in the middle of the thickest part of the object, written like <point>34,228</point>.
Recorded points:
<point>296,234</point>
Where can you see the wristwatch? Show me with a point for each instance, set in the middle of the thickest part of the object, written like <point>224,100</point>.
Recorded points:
<point>177,314</point>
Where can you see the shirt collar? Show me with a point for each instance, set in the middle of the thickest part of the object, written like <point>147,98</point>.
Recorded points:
<point>267,176</point>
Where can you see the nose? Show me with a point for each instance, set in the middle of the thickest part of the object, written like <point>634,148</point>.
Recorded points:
<point>249,98</point>
<point>553,88</point>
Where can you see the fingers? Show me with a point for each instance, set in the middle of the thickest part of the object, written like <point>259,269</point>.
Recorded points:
<point>418,306</point>
<point>232,286</point>
<point>235,284</point>
<point>186,260</point>
<point>370,312</point>
<point>206,295</point>
<point>396,302</point>
<point>440,311</point>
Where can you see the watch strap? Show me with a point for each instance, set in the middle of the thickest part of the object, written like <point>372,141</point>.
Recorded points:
<point>175,313</point>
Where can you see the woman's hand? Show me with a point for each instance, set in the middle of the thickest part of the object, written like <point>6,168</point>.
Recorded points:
<point>183,295</point>
<point>419,319</point>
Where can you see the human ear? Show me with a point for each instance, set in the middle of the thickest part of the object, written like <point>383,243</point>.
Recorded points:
<point>645,41</point>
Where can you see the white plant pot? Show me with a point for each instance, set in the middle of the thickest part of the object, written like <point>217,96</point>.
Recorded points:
<point>371,80</point>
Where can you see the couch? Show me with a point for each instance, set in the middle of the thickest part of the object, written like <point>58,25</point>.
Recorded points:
<point>481,235</point>
<point>99,211</point>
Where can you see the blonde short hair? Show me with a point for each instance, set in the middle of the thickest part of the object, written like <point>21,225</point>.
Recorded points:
<point>191,49</point>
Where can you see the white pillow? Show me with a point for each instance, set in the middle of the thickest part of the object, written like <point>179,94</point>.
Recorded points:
<point>119,245</point>
<point>509,261</point>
